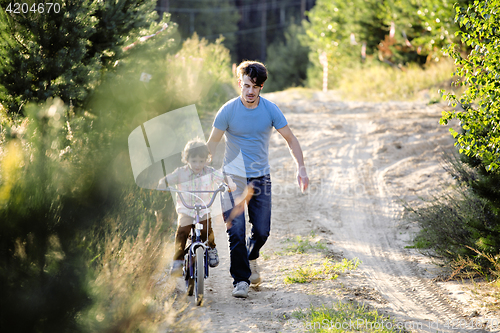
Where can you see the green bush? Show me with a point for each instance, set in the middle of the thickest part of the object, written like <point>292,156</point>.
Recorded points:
<point>463,222</point>
<point>287,61</point>
<point>479,71</point>
<point>68,201</point>
<point>48,200</point>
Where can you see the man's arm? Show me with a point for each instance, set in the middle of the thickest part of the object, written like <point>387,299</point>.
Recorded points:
<point>214,140</point>
<point>296,151</point>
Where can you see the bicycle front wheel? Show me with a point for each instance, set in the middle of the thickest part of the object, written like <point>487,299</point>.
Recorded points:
<point>199,275</point>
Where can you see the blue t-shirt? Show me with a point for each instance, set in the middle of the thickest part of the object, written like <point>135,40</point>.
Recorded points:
<point>248,132</point>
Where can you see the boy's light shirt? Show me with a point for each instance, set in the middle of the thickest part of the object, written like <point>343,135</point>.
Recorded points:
<point>184,179</point>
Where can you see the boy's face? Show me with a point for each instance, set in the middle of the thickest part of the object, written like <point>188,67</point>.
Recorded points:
<point>196,163</point>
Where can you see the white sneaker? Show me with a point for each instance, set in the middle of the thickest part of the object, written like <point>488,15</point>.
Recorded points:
<point>213,257</point>
<point>255,278</point>
<point>241,290</point>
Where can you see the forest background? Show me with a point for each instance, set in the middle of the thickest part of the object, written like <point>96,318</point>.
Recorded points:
<point>81,246</point>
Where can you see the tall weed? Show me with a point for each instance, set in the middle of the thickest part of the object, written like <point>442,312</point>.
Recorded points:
<point>380,82</point>
<point>131,288</point>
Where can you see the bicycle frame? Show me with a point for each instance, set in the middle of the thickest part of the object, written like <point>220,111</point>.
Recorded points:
<point>197,207</point>
<point>189,267</point>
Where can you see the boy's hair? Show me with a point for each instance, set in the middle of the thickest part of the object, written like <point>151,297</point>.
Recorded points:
<point>254,69</point>
<point>195,148</point>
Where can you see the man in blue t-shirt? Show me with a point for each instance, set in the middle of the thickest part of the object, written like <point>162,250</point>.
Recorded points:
<point>247,122</point>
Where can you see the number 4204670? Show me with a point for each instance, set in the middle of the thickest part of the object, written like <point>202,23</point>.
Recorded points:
<point>25,8</point>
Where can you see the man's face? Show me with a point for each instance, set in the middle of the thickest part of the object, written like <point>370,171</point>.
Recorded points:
<point>249,90</point>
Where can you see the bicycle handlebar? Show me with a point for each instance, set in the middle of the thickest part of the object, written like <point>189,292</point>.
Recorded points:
<point>222,188</point>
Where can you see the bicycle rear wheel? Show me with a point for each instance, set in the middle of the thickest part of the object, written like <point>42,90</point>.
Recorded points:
<point>199,275</point>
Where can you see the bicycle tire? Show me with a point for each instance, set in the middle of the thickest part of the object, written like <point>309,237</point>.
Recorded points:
<point>188,269</point>
<point>190,286</point>
<point>199,275</point>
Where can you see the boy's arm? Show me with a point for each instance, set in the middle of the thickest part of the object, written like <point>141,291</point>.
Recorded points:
<point>169,179</point>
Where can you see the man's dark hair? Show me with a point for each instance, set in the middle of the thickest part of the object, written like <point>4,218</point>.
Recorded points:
<point>254,69</point>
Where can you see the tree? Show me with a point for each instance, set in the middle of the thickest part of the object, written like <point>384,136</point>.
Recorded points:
<point>395,31</point>
<point>208,18</point>
<point>479,71</point>
<point>428,24</point>
<point>64,50</point>
<point>291,70</point>
<point>63,173</point>
<point>332,27</point>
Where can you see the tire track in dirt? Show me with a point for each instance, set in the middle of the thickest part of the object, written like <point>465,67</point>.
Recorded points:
<point>368,231</point>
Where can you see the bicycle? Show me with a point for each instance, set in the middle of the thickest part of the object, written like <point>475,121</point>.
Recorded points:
<point>196,258</point>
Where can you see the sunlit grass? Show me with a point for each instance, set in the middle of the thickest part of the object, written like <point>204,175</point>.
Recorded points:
<point>384,83</point>
<point>327,270</point>
<point>302,245</point>
<point>345,318</point>
<point>132,289</point>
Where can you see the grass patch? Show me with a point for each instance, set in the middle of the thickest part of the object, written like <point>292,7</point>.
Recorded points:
<point>384,83</point>
<point>419,244</point>
<point>327,270</point>
<point>346,318</point>
<point>299,245</point>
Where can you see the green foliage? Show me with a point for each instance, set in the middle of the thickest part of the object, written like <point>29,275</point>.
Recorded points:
<point>330,27</point>
<point>290,70</point>
<point>59,184</point>
<point>203,75</point>
<point>427,24</point>
<point>459,224</point>
<point>118,24</point>
<point>64,54</point>
<point>67,192</point>
<point>421,29</point>
<point>301,245</point>
<point>46,201</point>
<point>209,19</point>
<point>198,73</point>
<point>338,317</point>
<point>131,289</point>
<point>328,270</point>
<point>480,73</point>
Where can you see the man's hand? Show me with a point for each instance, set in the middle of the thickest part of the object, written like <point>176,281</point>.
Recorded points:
<point>231,184</point>
<point>296,151</point>
<point>303,179</point>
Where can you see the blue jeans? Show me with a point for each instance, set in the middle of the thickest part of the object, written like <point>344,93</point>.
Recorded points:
<point>259,215</point>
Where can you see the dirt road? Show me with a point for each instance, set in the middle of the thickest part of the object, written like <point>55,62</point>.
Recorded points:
<point>362,159</point>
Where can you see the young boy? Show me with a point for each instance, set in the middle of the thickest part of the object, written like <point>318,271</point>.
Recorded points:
<point>196,175</point>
